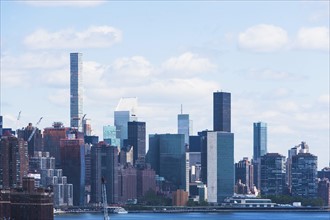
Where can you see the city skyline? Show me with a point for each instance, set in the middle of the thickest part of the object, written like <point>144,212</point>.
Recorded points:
<point>167,56</point>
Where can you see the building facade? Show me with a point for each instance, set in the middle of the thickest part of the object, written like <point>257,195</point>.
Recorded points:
<point>14,161</point>
<point>183,126</point>
<point>272,174</point>
<point>244,173</point>
<point>220,166</point>
<point>104,163</point>
<point>125,112</point>
<point>222,111</point>
<point>137,139</point>
<point>304,175</point>
<point>73,165</point>
<point>35,143</point>
<point>76,90</point>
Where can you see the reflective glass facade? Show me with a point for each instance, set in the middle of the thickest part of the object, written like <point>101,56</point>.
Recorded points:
<point>259,140</point>
<point>183,126</point>
<point>222,111</point>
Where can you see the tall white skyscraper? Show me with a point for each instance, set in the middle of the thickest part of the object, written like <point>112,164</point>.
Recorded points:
<point>125,112</point>
<point>76,90</point>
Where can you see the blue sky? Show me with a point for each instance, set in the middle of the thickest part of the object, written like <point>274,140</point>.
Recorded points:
<point>273,56</point>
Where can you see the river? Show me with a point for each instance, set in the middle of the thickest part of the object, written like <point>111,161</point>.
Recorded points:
<point>203,216</point>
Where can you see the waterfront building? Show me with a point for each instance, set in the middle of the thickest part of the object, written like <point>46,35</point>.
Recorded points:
<point>183,126</point>
<point>146,180</point>
<point>259,149</point>
<point>248,201</point>
<point>167,156</point>
<point>35,144</point>
<point>220,166</point>
<point>222,111</point>
<point>14,161</point>
<point>127,183</point>
<point>76,91</point>
<point>300,148</point>
<point>272,174</point>
<point>27,202</point>
<point>137,139</point>
<point>125,112</point>
<point>323,191</point>
<point>62,190</point>
<point>179,198</point>
<point>304,175</point>
<point>51,141</point>
<point>104,163</point>
<point>244,173</point>
<point>73,164</point>
<point>109,135</point>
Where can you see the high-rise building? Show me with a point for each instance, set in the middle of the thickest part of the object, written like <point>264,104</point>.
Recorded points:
<point>146,180</point>
<point>220,166</point>
<point>300,148</point>
<point>259,140</point>
<point>127,183</point>
<point>73,165</point>
<point>104,163</point>
<point>259,148</point>
<point>244,172</point>
<point>167,156</point>
<point>35,143</point>
<point>125,112</point>
<point>323,191</point>
<point>304,175</point>
<point>137,139</point>
<point>1,124</point>
<point>109,135</point>
<point>272,174</point>
<point>51,140</point>
<point>76,90</point>
<point>14,161</point>
<point>324,173</point>
<point>183,126</point>
<point>222,111</point>
<point>87,128</point>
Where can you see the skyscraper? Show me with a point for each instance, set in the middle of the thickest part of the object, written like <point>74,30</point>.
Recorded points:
<point>259,140</point>
<point>167,156</point>
<point>304,175</point>
<point>14,163</point>
<point>220,166</point>
<point>1,124</point>
<point>137,139</point>
<point>244,172</point>
<point>73,165</point>
<point>125,112</point>
<point>35,144</point>
<point>259,148</point>
<point>183,126</point>
<point>272,174</point>
<point>104,163</point>
<point>76,90</point>
<point>221,111</point>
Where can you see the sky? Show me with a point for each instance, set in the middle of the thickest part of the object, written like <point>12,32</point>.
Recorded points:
<point>272,56</point>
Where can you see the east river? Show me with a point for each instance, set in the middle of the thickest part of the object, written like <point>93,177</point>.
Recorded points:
<point>203,216</point>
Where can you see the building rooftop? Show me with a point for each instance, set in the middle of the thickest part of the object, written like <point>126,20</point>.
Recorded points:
<point>127,104</point>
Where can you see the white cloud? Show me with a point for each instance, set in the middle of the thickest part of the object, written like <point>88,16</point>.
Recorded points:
<point>60,98</point>
<point>263,38</point>
<point>315,38</point>
<point>188,64</point>
<point>93,37</point>
<point>324,99</point>
<point>58,3</point>
<point>269,74</point>
<point>135,66</point>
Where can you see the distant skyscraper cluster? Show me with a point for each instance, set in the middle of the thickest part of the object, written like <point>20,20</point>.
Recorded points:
<point>72,161</point>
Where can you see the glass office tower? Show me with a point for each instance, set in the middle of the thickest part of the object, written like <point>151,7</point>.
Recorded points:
<point>222,111</point>
<point>259,140</point>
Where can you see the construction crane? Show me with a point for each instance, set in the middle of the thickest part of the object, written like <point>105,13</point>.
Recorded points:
<point>34,130</point>
<point>104,200</point>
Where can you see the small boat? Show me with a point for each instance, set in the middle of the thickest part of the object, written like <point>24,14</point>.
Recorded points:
<point>120,210</point>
